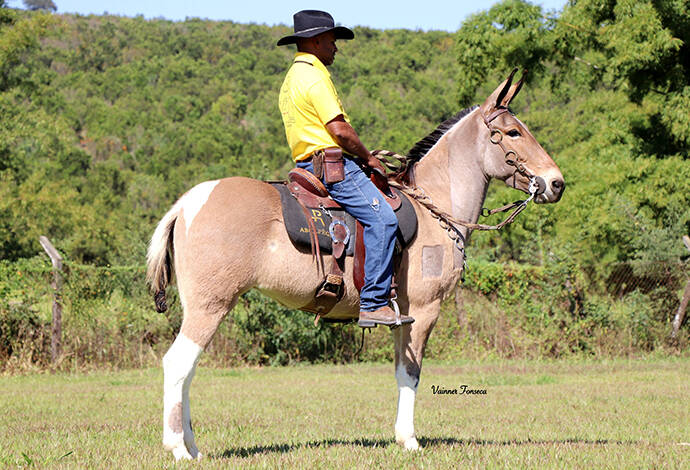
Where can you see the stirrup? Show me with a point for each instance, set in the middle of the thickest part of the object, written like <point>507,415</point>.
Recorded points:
<point>332,285</point>
<point>396,309</point>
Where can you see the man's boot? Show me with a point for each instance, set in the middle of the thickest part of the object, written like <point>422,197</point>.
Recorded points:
<point>382,316</point>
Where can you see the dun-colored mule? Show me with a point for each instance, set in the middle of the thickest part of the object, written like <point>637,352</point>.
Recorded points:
<point>227,236</point>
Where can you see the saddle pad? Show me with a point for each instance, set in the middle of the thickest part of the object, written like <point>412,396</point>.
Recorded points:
<point>298,231</point>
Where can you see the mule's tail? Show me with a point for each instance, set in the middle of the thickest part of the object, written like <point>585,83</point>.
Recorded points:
<point>159,258</point>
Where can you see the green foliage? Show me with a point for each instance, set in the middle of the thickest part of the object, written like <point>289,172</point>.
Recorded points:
<point>272,334</point>
<point>108,319</point>
<point>510,311</point>
<point>19,41</point>
<point>512,33</point>
<point>517,311</point>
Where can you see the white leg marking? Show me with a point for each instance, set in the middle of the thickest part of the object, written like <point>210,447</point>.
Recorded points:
<point>404,424</point>
<point>194,200</point>
<point>179,364</point>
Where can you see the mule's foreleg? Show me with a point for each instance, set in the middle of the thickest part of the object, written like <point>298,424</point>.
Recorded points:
<point>408,380</point>
<point>179,365</point>
<point>410,343</point>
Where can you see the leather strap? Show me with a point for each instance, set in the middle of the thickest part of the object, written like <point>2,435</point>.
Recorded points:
<point>317,163</point>
<point>332,288</point>
<point>313,236</point>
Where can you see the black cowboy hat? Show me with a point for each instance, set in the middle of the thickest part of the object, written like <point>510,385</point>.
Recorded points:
<point>310,23</point>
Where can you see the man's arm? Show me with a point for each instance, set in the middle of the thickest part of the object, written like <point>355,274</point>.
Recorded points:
<point>346,137</point>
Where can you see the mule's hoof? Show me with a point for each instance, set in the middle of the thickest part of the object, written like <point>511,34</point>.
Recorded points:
<point>181,453</point>
<point>411,444</point>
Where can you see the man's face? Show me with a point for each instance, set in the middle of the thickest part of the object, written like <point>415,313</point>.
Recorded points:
<point>325,47</point>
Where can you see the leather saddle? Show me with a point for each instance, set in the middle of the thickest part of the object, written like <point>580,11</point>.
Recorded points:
<point>314,220</point>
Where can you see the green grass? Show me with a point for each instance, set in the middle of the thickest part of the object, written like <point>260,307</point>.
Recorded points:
<point>557,414</point>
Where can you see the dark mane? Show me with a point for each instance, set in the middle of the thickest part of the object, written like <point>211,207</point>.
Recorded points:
<point>422,147</point>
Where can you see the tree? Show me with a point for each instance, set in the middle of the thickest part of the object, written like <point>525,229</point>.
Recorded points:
<point>513,33</point>
<point>640,48</point>
<point>608,98</point>
<point>34,5</point>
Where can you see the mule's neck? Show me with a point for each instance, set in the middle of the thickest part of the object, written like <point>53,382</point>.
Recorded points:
<point>452,173</point>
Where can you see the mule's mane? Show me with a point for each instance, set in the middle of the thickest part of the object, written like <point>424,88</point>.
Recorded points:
<point>422,147</point>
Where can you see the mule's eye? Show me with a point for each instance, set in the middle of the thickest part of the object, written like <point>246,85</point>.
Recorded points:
<point>514,133</point>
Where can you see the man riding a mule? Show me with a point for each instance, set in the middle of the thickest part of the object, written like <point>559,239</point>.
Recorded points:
<point>223,237</point>
<point>323,142</point>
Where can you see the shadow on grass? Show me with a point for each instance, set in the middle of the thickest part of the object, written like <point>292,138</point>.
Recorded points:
<point>284,448</point>
<point>424,442</point>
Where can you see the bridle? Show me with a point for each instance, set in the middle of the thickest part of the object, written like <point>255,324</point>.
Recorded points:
<point>536,186</point>
<point>510,156</point>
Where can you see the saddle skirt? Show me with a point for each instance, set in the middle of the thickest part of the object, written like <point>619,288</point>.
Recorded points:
<point>304,191</point>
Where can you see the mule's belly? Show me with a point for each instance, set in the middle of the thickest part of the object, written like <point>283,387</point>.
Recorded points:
<point>292,278</point>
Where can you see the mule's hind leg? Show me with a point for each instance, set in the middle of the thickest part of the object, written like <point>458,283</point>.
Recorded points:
<point>410,343</point>
<point>179,366</point>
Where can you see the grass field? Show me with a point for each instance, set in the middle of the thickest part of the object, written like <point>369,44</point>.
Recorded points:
<point>564,414</point>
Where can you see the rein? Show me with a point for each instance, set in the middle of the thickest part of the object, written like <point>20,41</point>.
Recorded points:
<point>447,221</point>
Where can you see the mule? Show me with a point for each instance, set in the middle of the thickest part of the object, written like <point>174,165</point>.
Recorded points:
<point>227,236</point>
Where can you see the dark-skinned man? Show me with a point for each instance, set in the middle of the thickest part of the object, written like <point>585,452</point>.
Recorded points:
<point>316,125</point>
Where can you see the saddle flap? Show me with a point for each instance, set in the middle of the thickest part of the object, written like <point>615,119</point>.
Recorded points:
<point>308,181</point>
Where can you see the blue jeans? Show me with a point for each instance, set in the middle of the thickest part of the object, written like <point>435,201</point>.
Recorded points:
<point>360,198</point>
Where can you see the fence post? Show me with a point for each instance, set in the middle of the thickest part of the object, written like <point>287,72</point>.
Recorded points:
<point>680,314</point>
<point>56,334</point>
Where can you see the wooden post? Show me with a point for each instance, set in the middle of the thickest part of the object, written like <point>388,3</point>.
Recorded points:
<point>56,334</point>
<point>680,314</point>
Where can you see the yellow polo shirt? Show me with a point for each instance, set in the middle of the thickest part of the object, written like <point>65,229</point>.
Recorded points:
<point>308,100</point>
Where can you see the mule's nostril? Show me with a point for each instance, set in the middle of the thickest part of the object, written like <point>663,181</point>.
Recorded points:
<point>558,185</point>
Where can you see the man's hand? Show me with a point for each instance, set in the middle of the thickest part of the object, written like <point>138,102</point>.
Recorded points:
<point>379,175</point>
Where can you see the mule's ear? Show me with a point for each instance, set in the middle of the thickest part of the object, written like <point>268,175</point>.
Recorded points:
<point>503,96</point>
<point>515,89</point>
<point>499,94</point>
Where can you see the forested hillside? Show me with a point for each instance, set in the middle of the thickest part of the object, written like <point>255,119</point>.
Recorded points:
<point>105,121</point>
